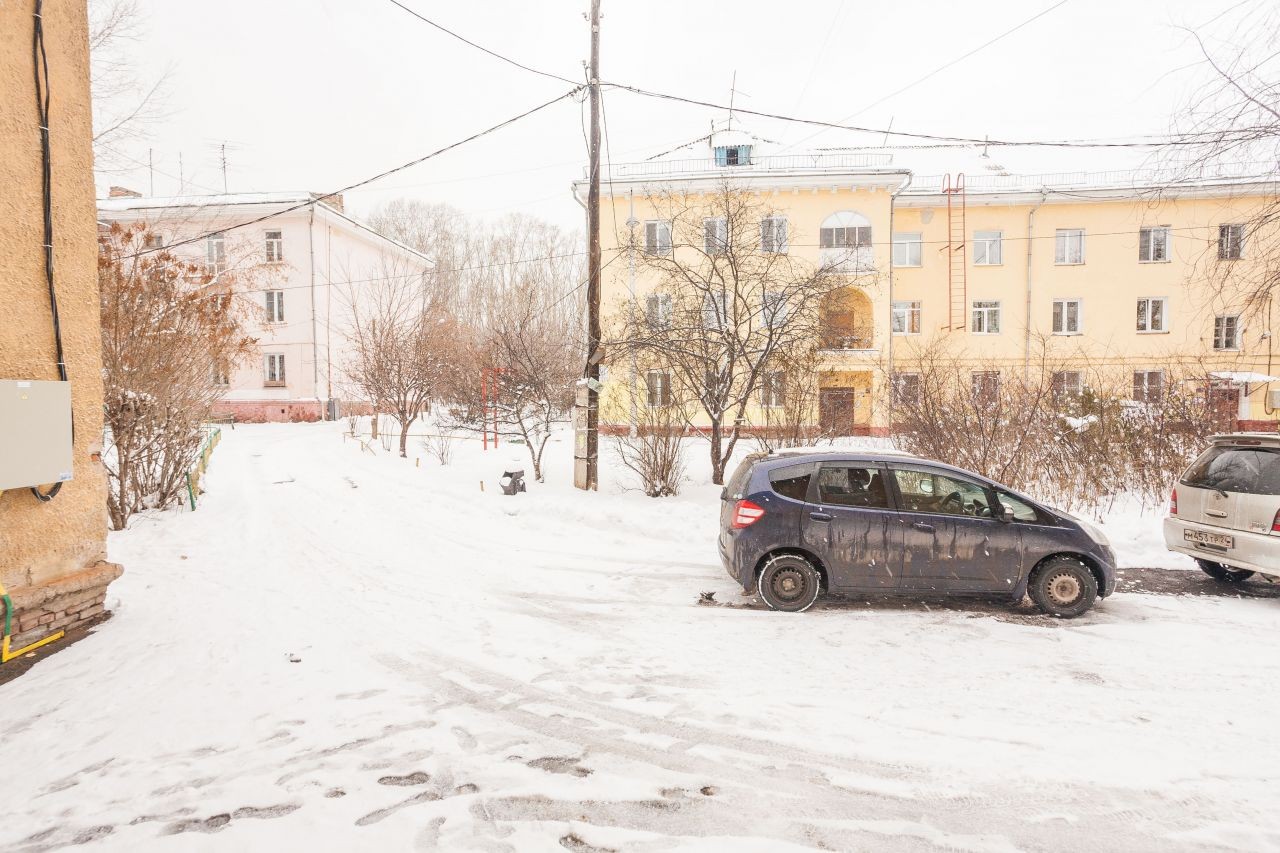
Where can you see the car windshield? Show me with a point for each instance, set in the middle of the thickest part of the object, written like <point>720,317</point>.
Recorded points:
<point>1248,470</point>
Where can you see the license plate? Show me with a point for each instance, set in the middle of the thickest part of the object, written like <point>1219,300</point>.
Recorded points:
<point>1214,540</point>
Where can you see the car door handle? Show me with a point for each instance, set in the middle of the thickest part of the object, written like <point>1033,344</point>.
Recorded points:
<point>920,525</point>
<point>1215,513</point>
<point>820,516</point>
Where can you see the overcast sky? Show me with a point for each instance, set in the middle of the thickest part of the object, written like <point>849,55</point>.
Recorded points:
<point>316,94</point>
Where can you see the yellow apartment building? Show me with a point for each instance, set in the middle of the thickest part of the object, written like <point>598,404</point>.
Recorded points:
<point>1141,276</point>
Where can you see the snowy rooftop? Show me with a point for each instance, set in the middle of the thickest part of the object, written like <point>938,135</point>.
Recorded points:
<point>123,203</point>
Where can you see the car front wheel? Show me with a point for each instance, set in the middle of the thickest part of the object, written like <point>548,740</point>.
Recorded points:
<point>1224,573</point>
<point>1063,587</point>
<point>790,583</point>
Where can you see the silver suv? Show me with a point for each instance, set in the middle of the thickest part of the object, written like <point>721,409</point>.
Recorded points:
<point>1225,510</point>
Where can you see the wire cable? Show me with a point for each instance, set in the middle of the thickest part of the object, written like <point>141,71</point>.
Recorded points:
<point>43,100</point>
<point>358,184</point>
<point>482,48</point>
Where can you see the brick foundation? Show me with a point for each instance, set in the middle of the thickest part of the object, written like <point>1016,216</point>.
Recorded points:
<point>269,411</point>
<point>67,603</point>
<point>748,431</point>
<point>1257,426</point>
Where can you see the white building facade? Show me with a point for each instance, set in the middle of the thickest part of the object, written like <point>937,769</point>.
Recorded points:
<point>300,271</point>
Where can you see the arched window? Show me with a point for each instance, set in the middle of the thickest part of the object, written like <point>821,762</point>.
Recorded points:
<point>844,240</point>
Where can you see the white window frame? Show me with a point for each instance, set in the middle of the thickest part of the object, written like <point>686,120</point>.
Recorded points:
<point>715,313</point>
<point>657,310</point>
<point>1149,235</point>
<point>1062,255</point>
<point>1074,388</point>
<point>845,243</point>
<point>773,389</point>
<point>773,235</point>
<point>221,376</point>
<point>905,317</point>
<point>273,370</point>
<point>715,235</point>
<point>1147,384</point>
<point>992,248</point>
<point>274,246</point>
<point>773,308</point>
<point>216,254</point>
<point>274,305</point>
<point>1231,241</point>
<point>990,308</point>
<point>1144,319</point>
<point>660,232</point>
<point>659,396</point>
<point>1060,313</point>
<point>1221,323</point>
<point>907,249</point>
<point>978,377</point>
<point>901,383</point>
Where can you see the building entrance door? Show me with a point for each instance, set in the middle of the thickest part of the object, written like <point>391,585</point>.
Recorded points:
<point>836,408</point>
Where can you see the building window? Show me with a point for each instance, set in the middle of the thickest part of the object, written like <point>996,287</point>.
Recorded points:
<point>275,247</point>
<point>1152,312</point>
<point>715,236</point>
<point>273,369</point>
<point>713,311</point>
<point>844,241</point>
<point>217,254</point>
<point>906,389</point>
<point>733,155</point>
<point>153,241</point>
<point>986,385</point>
<point>773,234</point>
<point>851,237</point>
<point>1069,246</point>
<point>773,389</point>
<point>1148,385</point>
<point>221,376</point>
<point>1153,244</point>
<point>1066,316</point>
<point>658,310</point>
<point>657,237</point>
<point>1226,331</point>
<point>987,248</point>
<point>986,318</point>
<point>906,250</point>
<point>658,387</point>
<point>1230,242</point>
<point>774,309</point>
<point>275,306</point>
<point>906,318</point>
<point>1067,384</point>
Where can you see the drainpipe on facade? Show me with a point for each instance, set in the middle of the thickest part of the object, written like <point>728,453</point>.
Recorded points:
<point>315,352</point>
<point>1031,221</point>
<point>632,222</point>
<point>893,197</point>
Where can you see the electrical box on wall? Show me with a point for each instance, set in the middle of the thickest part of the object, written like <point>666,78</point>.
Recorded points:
<point>35,433</point>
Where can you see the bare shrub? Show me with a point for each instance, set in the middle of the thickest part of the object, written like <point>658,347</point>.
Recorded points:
<point>655,452</point>
<point>439,446</point>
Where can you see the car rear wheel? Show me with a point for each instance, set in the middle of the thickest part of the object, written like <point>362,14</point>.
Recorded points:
<point>790,583</point>
<point>1063,587</point>
<point>1224,573</point>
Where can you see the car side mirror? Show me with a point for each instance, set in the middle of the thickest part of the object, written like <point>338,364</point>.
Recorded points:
<point>1006,513</point>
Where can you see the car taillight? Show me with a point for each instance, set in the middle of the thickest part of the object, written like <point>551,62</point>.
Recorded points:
<point>1275,523</point>
<point>1173,503</point>
<point>745,514</point>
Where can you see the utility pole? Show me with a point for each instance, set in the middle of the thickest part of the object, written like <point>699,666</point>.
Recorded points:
<point>151,173</point>
<point>589,477</point>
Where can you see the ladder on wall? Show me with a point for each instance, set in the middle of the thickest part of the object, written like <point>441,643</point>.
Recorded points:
<point>957,291</point>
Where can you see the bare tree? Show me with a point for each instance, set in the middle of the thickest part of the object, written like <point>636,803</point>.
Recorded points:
<point>399,346</point>
<point>124,104</point>
<point>654,451</point>
<point>168,332</point>
<point>728,304</point>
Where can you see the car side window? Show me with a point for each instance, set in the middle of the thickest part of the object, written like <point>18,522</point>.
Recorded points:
<point>853,485</point>
<point>943,494</point>
<point>793,480</point>
<point>1022,511</point>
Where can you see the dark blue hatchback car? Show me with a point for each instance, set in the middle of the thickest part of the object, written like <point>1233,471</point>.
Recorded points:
<point>796,523</point>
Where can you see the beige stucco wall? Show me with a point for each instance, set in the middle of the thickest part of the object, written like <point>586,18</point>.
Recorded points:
<point>44,542</point>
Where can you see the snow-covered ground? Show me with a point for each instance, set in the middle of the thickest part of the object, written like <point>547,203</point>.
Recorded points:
<point>342,651</point>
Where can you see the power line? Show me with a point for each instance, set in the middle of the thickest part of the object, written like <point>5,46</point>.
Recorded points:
<point>357,184</point>
<point>937,70</point>
<point>1181,139</point>
<point>482,48</point>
